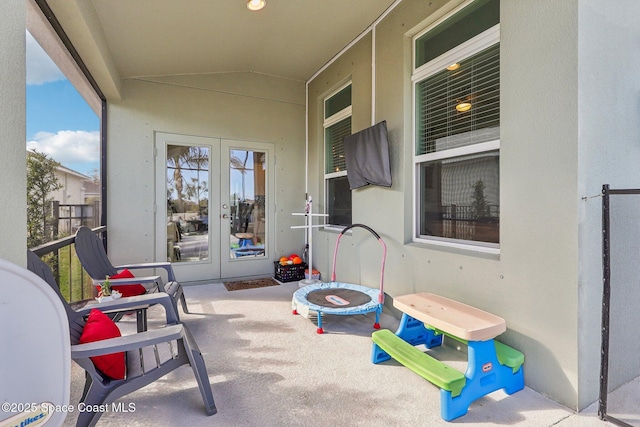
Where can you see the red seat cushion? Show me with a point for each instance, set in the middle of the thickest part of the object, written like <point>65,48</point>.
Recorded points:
<point>100,327</point>
<point>127,290</point>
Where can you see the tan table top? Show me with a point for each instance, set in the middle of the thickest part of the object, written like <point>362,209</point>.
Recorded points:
<point>452,317</point>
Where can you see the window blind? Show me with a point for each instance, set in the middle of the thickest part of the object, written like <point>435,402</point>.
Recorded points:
<point>476,82</point>
<point>334,145</point>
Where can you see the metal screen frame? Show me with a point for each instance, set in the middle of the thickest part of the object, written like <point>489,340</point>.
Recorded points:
<point>606,301</point>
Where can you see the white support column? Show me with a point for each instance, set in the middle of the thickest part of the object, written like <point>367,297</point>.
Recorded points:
<point>13,161</point>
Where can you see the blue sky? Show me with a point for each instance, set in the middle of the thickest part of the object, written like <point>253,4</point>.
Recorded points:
<point>59,121</point>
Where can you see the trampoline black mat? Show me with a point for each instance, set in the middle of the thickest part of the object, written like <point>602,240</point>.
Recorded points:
<point>338,297</point>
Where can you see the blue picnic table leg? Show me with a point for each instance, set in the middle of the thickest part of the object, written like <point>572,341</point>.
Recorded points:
<point>412,331</point>
<point>484,375</point>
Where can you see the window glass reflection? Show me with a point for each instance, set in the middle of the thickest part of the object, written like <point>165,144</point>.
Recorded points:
<point>247,199</point>
<point>187,203</point>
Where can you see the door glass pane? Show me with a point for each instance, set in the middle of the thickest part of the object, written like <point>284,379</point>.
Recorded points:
<point>247,199</point>
<point>187,203</point>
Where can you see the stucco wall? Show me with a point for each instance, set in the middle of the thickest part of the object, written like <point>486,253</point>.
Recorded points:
<point>609,125</point>
<point>539,187</point>
<point>13,162</point>
<point>532,283</point>
<point>241,106</point>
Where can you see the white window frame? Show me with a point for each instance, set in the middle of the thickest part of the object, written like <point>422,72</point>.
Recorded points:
<point>472,46</point>
<point>328,122</point>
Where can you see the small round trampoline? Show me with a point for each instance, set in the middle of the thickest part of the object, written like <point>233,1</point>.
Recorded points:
<point>341,298</point>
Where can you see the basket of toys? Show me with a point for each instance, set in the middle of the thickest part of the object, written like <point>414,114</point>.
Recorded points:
<point>289,269</point>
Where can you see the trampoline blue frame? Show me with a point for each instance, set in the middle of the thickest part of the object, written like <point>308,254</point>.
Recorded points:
<point>376,295</point>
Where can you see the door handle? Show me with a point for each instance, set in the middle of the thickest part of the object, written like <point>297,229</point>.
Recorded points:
<point>225,216</point>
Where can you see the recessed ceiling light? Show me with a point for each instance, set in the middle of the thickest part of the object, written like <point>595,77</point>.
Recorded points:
<point>453,67</point>
<point>256,4</point>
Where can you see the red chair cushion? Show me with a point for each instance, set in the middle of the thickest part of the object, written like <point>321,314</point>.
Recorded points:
<point>100,327</point>
<point>128,290</point>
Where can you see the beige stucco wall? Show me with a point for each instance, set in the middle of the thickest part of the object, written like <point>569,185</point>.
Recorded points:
<point>533,282</point>
<point>240,106</point>
<point>609,116</point>
<point>539,172</point>
<point>13,162</point>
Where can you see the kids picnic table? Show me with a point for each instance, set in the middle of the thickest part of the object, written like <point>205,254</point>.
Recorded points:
<point>426,318</point>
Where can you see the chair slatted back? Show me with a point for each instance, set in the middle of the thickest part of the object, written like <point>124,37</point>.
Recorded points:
<point>92,254</point>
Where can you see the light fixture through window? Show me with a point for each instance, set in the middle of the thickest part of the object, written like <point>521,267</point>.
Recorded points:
<point>463,106</point>
<point>453,67</point>
<point>256,4</point>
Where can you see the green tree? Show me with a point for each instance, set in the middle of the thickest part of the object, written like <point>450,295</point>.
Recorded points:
<point>41,182</point>
<point>181,159</point>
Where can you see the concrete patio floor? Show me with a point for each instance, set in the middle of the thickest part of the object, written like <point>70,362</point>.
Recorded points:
<point>268,367</point>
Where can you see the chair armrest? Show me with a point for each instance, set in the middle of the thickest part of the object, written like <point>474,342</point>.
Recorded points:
<point>137,302</point>
<point>127,342</point>
<point>132,281</point>
<point>165,265</point>
<point>156,280</point>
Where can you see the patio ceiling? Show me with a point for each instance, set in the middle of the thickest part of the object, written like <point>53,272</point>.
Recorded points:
<point>121,39</point>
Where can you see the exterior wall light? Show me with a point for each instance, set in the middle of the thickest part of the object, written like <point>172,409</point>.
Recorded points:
<point>256,4</point>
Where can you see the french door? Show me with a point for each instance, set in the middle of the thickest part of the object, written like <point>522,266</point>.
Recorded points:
<point>214,207</point>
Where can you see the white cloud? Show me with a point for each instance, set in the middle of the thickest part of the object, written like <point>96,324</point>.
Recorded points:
<point>68,146</point>
<point>40,68</point>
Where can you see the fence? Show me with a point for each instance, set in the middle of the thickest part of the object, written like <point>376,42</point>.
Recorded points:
<point>68,218</point>
<point>462,222</point>
<point>75,284</point>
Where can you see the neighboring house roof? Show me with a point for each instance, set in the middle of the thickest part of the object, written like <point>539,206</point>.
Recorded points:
<point>64,169</point>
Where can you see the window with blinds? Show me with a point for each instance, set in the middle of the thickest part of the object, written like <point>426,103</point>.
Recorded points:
<point>333,136</point>
<point>457,129</point>
<point>461,106</point>
<point>337,125</point>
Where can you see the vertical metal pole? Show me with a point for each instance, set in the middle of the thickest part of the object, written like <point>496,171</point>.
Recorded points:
<point>606,297</point>
<point>103,169</point>
<point>454,220</point>
<point>310,238</point>
<point>55,207</point>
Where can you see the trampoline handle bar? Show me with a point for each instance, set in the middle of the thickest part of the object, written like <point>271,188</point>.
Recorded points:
<point>384,256</point>
<point>366,227</point>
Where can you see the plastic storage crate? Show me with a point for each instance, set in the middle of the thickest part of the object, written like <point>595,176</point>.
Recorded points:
<point>289,272</point>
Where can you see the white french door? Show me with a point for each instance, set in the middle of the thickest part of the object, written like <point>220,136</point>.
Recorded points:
<point>214,208</point>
